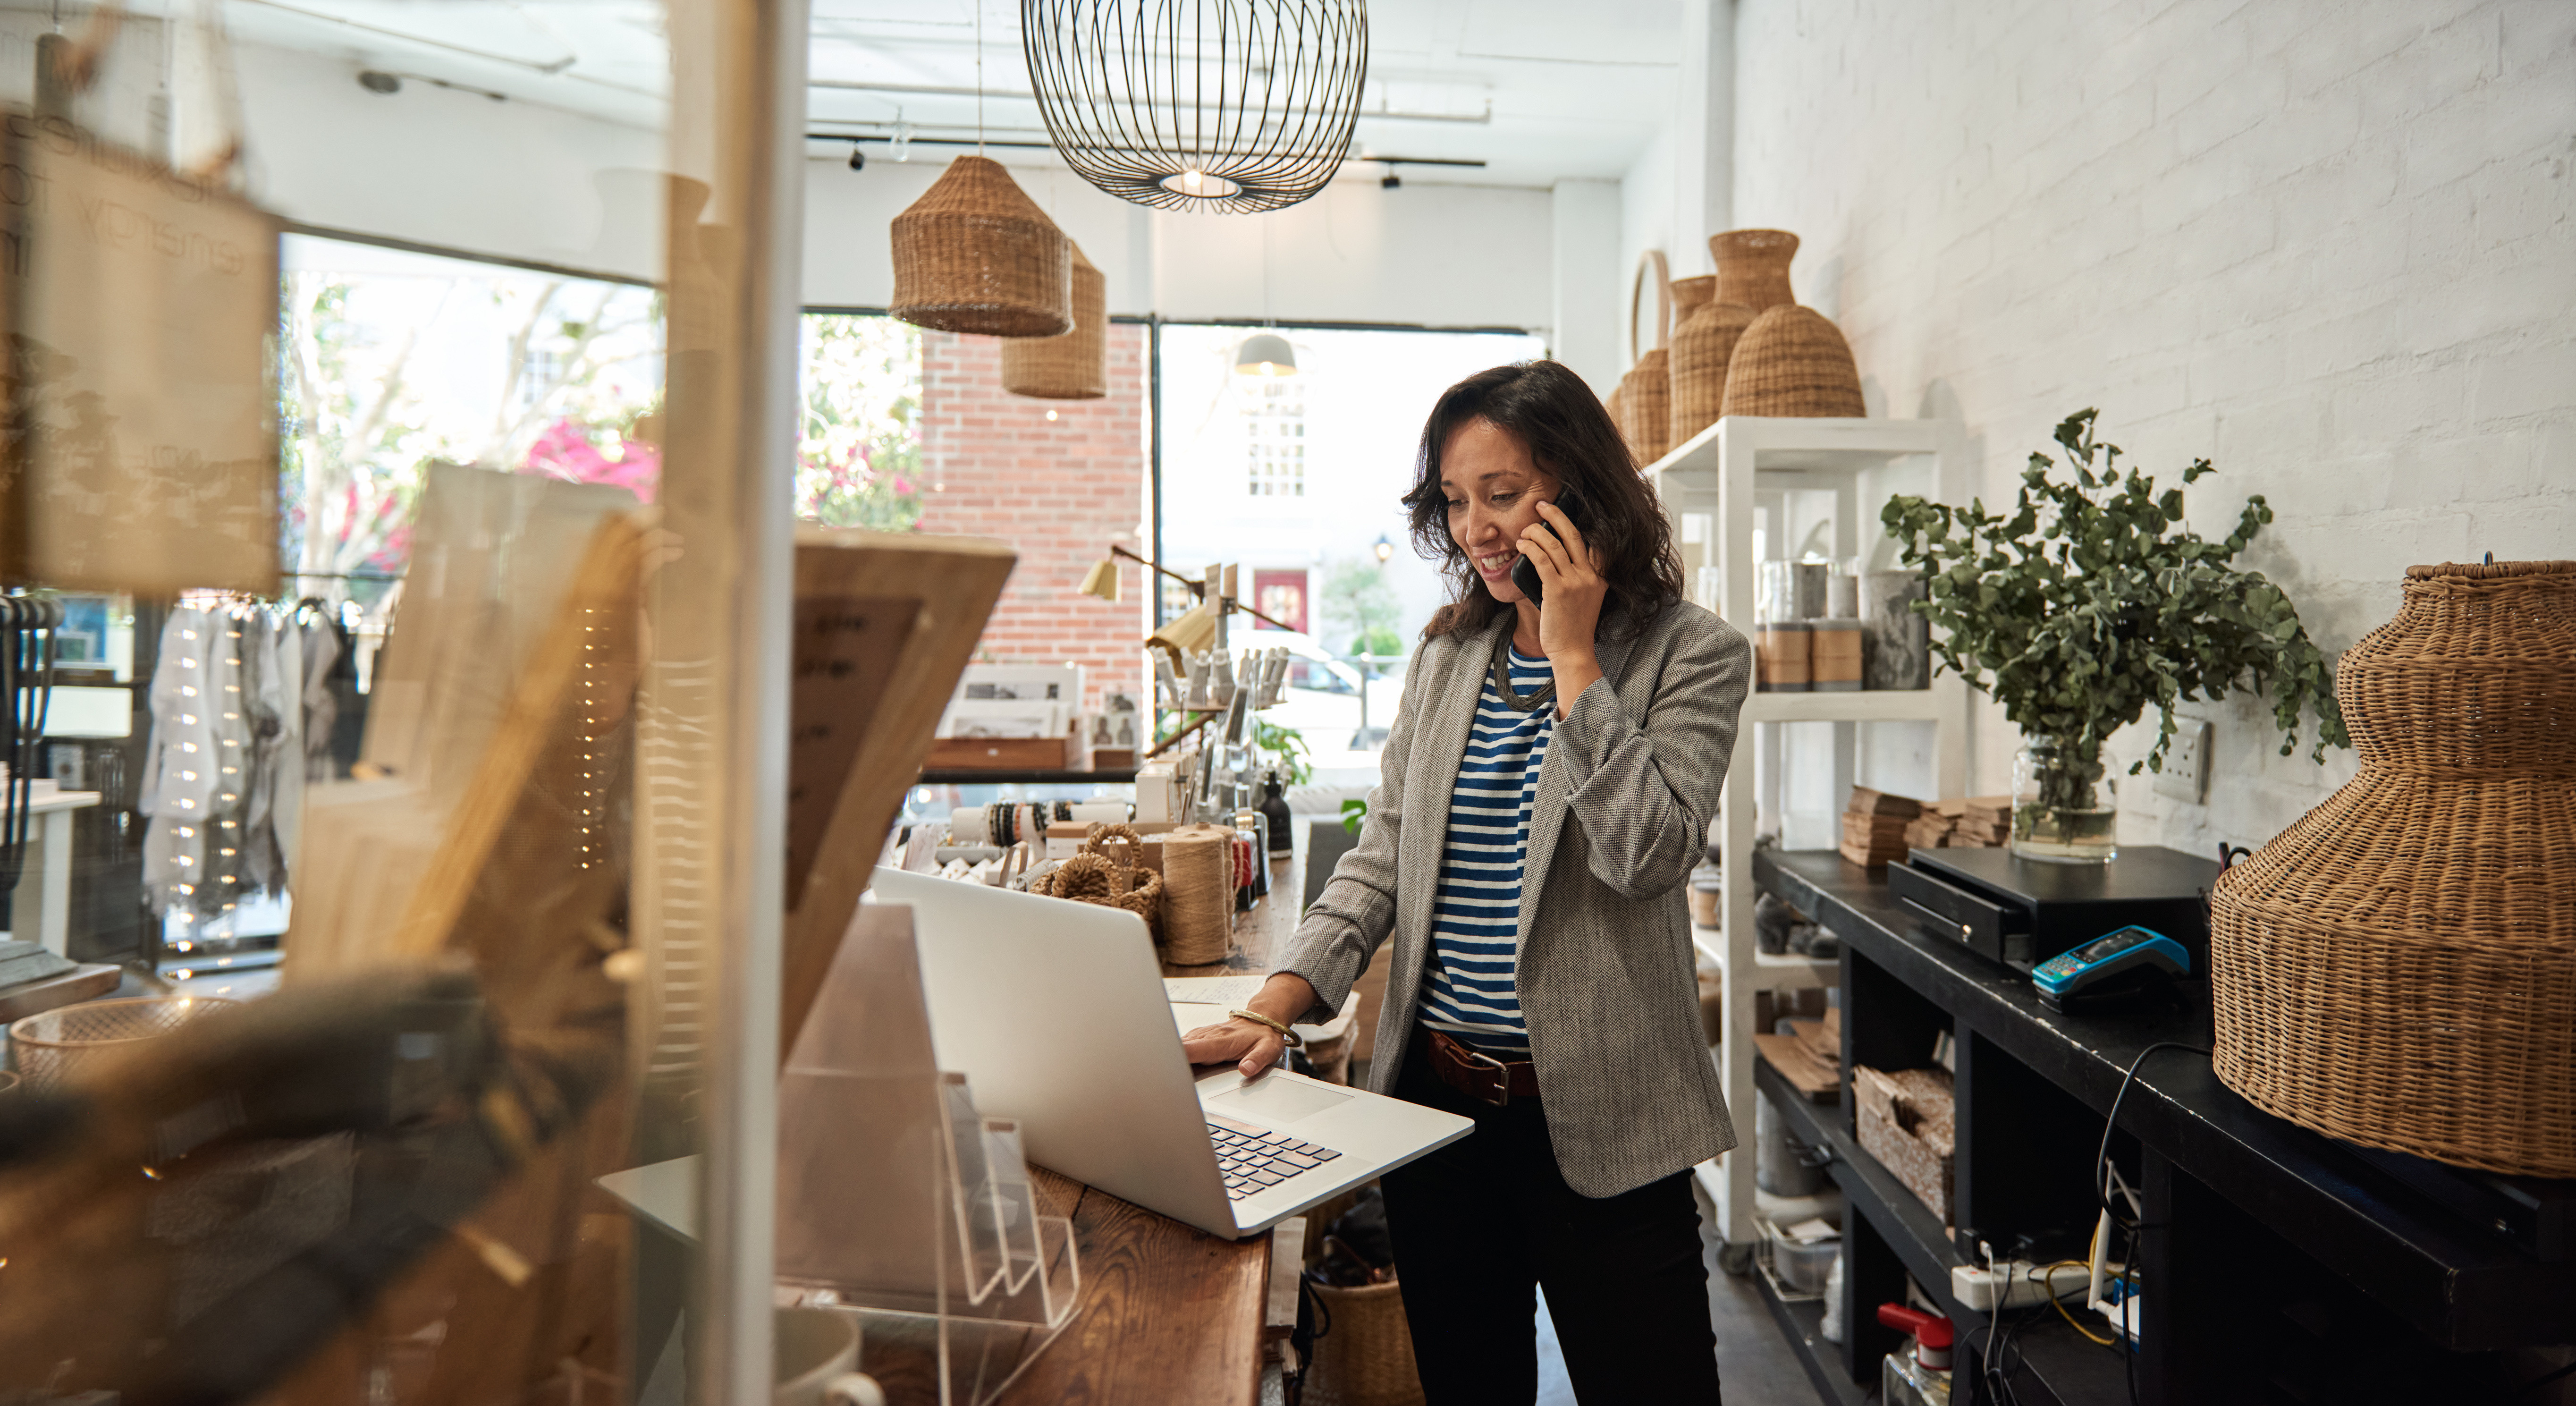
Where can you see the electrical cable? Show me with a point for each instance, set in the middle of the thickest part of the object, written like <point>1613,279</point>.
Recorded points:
<point>2060,1300</point>
<point>2129,1225</point>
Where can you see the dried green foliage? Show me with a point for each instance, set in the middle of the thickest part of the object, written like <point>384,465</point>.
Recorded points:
<point>2087,605</point>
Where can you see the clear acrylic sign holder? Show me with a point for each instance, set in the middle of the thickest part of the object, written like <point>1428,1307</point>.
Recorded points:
<point>900,1204</point>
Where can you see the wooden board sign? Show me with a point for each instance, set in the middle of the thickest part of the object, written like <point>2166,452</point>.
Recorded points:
<point>139,306</point>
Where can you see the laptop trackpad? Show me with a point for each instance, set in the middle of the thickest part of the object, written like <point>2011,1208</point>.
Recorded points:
<point>1276,1101</point>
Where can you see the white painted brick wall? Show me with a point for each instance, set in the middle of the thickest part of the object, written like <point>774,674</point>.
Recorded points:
<point>2330,244</point>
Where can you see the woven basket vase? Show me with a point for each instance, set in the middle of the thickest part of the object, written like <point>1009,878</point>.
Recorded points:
<point>1753,267</point>
<point>1367,1358</point>
<point>2398,968</point>
<point>1647,391</point>
<point>1702,346</point>
<point>974,254</point>
<point>1616,403</point>
<point>1074,366</point>
<point>1792,361</point>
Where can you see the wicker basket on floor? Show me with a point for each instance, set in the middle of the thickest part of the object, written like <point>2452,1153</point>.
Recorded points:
<point>1792,361</point>
<point>2398,968</point>
<point>1367,1358</point>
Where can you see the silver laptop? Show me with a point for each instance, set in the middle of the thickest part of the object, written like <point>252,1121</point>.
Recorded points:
<point>1056,1014</point>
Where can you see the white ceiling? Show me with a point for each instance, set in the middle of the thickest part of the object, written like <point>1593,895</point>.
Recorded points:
<point>1538,89</point>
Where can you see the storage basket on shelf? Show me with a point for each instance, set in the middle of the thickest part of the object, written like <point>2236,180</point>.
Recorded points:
<point>1615,404</point>
<point>1648,392</point>
<point>1753,267</point>
<point>1074,366</point>
<point>1112,879</point>
<point>1645,393</point>
<point>52,1047</point>
<point>1703,340</point>
<point>1367,1358</point>
<point>2398,967</point>
<point>1792,361</point>
<point>975,254</point>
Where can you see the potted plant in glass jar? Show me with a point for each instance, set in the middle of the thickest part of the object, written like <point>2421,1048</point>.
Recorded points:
<point>2088,604</point>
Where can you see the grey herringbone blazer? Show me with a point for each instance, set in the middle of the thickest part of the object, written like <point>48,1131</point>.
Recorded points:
<point>1606,973</point>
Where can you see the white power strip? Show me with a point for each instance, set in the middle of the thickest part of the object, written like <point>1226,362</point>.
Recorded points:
<point>1976,1286</point>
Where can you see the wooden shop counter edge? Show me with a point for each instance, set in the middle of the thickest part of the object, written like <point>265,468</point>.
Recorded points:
<point>1168,1314</point>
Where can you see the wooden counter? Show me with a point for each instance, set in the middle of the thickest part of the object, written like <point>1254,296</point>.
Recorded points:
<point>1167,1314</point>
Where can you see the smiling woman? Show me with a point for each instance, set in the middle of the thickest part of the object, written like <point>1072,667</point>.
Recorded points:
<point>1546,787</point>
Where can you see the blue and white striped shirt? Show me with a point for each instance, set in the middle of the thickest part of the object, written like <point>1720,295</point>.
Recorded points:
<point>1470,987</point>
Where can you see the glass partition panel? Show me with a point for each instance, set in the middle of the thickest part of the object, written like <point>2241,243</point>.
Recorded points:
<point>395,538</point>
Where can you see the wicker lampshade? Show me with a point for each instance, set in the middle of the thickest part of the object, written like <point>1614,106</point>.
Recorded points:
<point>2398,968</point>
<point>1792,361</point>
<point>975,254</point>
<point>1753,267</point>
<point>1074,366</point>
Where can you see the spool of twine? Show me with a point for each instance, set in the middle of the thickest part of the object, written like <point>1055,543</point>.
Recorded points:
<point>1198,895</point>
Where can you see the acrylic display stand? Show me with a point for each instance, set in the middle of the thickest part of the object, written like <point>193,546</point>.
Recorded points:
<point>900,1204</point>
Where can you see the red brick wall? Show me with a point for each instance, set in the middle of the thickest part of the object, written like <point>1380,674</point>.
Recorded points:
<point>1060,491</point>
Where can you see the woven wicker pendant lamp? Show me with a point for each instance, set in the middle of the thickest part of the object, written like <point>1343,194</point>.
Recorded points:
<point>2398,968</point>
<point>975,254</point>
<point>1074,366</point>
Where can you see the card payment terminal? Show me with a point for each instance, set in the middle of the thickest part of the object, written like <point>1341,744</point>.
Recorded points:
<point>2131,962</point>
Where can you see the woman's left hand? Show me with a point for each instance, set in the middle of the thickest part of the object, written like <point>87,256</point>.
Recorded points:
<point>1570,610</point>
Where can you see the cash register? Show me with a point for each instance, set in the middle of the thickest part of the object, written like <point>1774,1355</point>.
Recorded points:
<point>2022,912</point>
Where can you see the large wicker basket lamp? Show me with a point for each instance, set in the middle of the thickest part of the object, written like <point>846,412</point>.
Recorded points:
<point>2398,968</point>
<point>975,254</point>
<point>1074,366</point>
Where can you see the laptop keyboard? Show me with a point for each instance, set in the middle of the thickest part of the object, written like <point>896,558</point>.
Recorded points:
<point>1255,1159</point>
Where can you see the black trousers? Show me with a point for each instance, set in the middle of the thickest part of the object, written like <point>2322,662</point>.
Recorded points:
<point>1477,1224</point>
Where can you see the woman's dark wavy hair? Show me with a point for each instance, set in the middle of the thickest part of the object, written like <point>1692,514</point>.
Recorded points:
<point>1571,438</point>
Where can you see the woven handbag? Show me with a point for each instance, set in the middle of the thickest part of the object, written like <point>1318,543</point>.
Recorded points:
<point>1096,875</point>
<point>1792,361</point>
<point>2398,968</point>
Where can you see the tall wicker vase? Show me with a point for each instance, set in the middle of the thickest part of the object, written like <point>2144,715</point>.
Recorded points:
<point>975,254</point>
<point>1753,267</point>
<point>1616,403</point>
<point>2398,968</point>
<point>1648,393</point>
<point>1702,344</point>
<point>1792,361</point>
<point>1074,366</point>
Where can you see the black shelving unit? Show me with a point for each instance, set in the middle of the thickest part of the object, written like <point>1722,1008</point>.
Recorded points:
<point>2279,1266</point>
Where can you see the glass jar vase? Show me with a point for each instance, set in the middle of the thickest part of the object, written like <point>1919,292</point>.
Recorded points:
<point>2065,806</point>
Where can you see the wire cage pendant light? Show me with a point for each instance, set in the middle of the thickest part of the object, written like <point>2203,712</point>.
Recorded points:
<point>1233,106</point>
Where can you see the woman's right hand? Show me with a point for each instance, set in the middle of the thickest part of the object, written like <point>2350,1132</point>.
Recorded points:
<point>1251,1046</point>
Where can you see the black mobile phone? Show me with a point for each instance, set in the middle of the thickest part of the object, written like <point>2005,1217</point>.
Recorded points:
<point>1525,575</point>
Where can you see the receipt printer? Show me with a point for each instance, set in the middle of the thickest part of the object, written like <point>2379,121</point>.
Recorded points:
<point>2021,912</point>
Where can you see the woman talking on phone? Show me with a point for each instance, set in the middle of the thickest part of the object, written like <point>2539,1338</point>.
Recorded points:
<point>1546,788</point>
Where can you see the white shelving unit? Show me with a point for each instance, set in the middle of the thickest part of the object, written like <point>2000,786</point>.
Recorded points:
<point>1782,470</point>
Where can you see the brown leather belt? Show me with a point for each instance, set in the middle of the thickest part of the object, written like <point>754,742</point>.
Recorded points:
<point>1479,1075</point>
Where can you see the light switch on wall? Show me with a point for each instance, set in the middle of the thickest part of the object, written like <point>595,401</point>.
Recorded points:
<point>2186,773</point>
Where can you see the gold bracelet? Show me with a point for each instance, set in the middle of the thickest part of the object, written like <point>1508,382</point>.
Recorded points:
<point>1295,1040</point>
